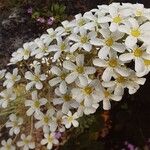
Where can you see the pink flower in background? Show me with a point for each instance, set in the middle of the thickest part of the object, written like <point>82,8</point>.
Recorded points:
<point>29,10</point>
<point>50,20</point>
<point>58,135</point>
<point>41,20</point>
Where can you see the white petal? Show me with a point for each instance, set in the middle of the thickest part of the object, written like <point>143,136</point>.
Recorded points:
<point>130,41</point>
<point>63,87</point>
<point>139,65</point>
<point>99,62</point>
<point>107,74</point>
<point>104,19</point>
<point>83,80</point>
<point>126,57</point>
<point>97,42</point>
<point>54,81</point>
<point>55,70</point>
<point>106,104</point>
<point>119,47</point>
<point>80,60</point>
<point>71,77</point>
<point>122,71</point>
<point>39,85</point>
<point>103,52</point>
<point>87,47</point>
<point>74,47</point>
<point>75,123</point>
<point>89,70</point>
<point>113,27</point>
<point>69,65</point>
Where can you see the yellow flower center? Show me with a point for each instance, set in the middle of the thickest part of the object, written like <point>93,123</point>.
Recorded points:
<point>67,97</point>
<point>117,19</point>
<point>147,62</point>
<point>109,42</point>
<point>15,123</point>
<point>88,90</point>
<point>14,78</point>
<point>36,78</point>
<point>138,13</point>
<point>8,146</point>
<point>26,52</point>
<point>106,93</point>
<point>50,139</point>
<point>135,32</point>
<point>70,119</point>
<point>80,69</point>
<point>81,22</point>
<point>63,46</point>
<point>36,104</point>
<point>63,76</point>
<point>82,103</point>
<point>121,79</point>
<point>84,39</point>
<point>26,141</point>
<point>113,63</point>
<point>138,52</point>
<point>46,119</point>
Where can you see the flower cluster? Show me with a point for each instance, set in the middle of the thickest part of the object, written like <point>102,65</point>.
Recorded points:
<point>68,72</point>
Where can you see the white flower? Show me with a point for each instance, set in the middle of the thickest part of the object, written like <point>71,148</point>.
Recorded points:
<point>146,69</point>
<point>66,28</point>
<point>62,46</point>
<point>6,96</point>
<point>24,53</point>
<point>51,36</point>
<point>109,43</point>
<point>41,50</point>
<point>135,32</point>
<point>112,65</point>
<point>93,21</point>
<point>131,82</point>
<point>87,110</point>
<point>89,92</point>
<point>78,22</point>
<point>78,71</point>
<point>70,119</point>
<point>46,121</point>
<point>14,123</point>
<point>49,139</point>
<point>82,41</point>
<point>107,96</point>
<point>11,78</point>
<point>60,79</point>
<point>117,16</point>
<point>119,84</point>
<point>65,100</point>
<point>138,10</point>
<point>35,104</point>
<point>134,83</point>
<point>2,73</point>
<point>7,145</point>
<point>58,118</point>
<point>35,78</point>
<point>138,54</point>
<point>26,142</point>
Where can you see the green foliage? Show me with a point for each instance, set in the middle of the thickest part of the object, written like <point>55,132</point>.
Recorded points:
<point>14,3</point>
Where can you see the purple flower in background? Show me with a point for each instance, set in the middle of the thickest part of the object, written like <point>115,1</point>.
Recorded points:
<point>58,135</point>
<point>41,20</point>
<point>131,147</point>
<point>50,20</point>
<point>29,10</point>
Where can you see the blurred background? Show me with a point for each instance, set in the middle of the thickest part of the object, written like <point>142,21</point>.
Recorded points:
<point>127,125</point>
